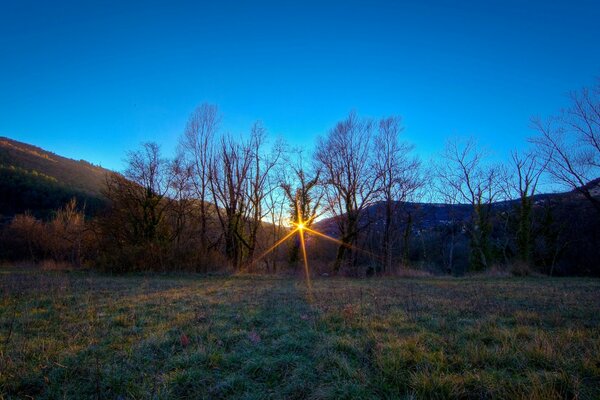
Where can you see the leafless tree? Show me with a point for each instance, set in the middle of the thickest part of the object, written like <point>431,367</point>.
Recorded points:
<point>259,188</point>
<point>139,202</point>
<point>400,178</point>
<point>450,198</point>
<point>522,183</point>
<point>151,174</point>
<point>275,207</point>
<point>28,230</point>
<point>182,210</point>
<point>197,146</point>
<point>345,157</point>
<point>463,173</point>
<point>67,231</point>
<point>229,183</point>
<point>303,195</point>
<point>570,142</point>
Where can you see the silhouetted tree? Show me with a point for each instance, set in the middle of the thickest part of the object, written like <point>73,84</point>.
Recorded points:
<point>229,183</point>
<point>345,157</point>
<point>304,199</point>
<point>197,146</point>
<point>67,233</point>
<point>463,174</point>
<point>139,201</point>
<point>523,183</point>
<point>262,166</point>
<point>570,142</point>
<point>399,178</point>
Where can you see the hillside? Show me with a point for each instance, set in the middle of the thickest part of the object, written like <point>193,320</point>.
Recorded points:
<point>425,216</point>
<point>35,180</point>
<point>565,231</point>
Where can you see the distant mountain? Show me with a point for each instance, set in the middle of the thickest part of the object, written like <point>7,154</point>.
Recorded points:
<point>423,215</point>
<point>38,181</point>
<point>426,216</point>
<point>565,232</point>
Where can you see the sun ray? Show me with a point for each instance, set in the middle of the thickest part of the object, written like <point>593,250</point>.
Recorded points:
<point>305,259</point>
<point>341,243</point>
<point>302,227</point>
<point>274,246</point>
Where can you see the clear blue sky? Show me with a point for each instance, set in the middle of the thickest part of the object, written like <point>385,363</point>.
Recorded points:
<point>93,79</point>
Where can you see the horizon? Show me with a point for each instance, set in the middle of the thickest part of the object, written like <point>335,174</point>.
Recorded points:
<point>92,82</point>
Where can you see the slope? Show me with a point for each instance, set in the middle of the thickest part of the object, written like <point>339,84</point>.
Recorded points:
<point>38,181</point>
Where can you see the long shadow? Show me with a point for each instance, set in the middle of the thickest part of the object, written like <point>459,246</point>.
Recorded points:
<point>243,335</point>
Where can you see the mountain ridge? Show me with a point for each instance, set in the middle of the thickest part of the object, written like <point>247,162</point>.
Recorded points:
<point>35,180</point>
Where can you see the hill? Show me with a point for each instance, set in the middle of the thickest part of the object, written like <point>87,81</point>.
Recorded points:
<point>565,232</point>
<point>35,180</point>
<point>427,216</point>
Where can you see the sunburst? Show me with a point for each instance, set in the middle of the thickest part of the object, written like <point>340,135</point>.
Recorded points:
<point>301,227</point>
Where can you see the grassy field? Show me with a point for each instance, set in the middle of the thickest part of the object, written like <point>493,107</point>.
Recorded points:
<point>77,335</point>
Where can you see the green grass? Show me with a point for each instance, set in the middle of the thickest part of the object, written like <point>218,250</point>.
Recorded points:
<point>71,335</point>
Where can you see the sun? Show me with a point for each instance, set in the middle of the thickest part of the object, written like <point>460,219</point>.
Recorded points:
<point>299,228</point>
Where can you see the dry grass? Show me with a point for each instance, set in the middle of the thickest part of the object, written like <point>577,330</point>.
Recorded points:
<point>76,335</point>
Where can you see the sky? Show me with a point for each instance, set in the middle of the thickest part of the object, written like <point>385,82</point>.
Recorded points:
<point>94,79</point>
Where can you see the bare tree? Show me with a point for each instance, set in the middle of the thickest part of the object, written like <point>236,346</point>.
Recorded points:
<point>450,198</point>
<point>345,157</point>
<point>197,146</point>
<point>67,230</point>
<point>303,195</point>
<point>230,168</point>
<point>523,182</point>
<point>152,176</point>
<point>139,202</point>
<point>182,211</point>
<point>27,229</point>
<point>400,178</point>
<point>259,187</point>
<point>570,142</point>
<point>275,208</point>
<point>463,172</point>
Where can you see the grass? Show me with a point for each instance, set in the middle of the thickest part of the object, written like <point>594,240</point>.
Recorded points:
<point>77,335</point>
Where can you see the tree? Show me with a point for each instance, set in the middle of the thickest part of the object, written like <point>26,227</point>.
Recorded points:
<point>67,233</point>
<point>182,216</point>
<point>450,231</point>
<point>527,170</point>
<point>135,222</point>
<point>259,187</point>
<point>349,176</point>
<point>26,230</point>
<point>303,197</point>
<point>399,175</point>
<point>230,169</point>
<point>152,176</point>
<point>197,145</point>
<point>275,206</point>
<point>570,142</point>
<point>462,173</point>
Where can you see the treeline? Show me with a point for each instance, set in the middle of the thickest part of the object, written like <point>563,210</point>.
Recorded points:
<point>40,182</point>
<point>23,190</point>
<point>222,202</point>
<point>66,238</point>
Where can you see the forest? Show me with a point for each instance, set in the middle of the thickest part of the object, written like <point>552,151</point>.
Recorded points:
<point>360,203</point>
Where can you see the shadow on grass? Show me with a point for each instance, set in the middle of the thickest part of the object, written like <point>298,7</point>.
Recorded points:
<point>88,336</point>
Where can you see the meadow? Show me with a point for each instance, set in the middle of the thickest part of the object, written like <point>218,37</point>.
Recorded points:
<point>87,335</point>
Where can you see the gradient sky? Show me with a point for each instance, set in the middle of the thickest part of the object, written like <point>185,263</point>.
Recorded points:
<point>93,79</point>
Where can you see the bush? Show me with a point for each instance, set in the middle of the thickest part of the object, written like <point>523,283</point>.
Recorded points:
<point>520,268</point>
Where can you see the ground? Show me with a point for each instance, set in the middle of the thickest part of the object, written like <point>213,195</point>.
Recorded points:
<point>84,335</point>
